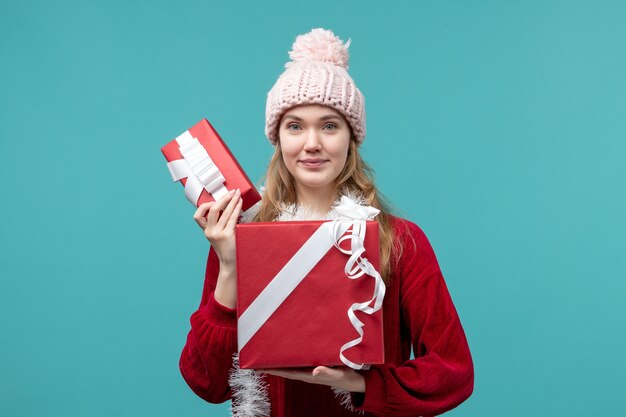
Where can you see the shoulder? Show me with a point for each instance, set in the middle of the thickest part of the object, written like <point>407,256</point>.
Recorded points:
<point>413,247</point>
<point>407,231</point>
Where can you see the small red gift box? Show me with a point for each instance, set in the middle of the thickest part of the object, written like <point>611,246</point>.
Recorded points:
<point>293,296</point>
<point>202,162</point>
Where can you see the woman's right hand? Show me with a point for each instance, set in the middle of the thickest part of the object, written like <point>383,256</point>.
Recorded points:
<point>218,228</point>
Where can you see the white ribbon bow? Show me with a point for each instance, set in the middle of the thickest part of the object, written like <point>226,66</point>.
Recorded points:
<point>349,209</point>
<point>199,169</point>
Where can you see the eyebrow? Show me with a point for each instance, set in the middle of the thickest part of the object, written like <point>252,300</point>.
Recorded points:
<point>327,117</point>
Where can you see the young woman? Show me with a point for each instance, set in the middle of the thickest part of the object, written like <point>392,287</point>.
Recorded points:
<point>315,118</point>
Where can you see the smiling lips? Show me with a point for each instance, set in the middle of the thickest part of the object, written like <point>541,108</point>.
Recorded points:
<point>313,163</point>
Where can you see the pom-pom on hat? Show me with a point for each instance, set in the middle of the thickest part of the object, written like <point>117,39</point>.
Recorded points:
<point>316,74</point>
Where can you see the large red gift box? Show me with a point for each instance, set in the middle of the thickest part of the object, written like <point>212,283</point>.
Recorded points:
<point>202,162</point>
<point>310,323</point>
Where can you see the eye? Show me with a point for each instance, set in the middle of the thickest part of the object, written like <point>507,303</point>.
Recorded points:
<point>293,125</point>
<point>330,126</point>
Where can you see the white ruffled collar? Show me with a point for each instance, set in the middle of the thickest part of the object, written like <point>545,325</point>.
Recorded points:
<point>290,212</point>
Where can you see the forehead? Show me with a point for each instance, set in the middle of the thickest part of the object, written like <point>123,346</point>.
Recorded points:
<point>312,111</point>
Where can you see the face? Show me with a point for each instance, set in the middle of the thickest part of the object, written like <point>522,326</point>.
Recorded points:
<point>314,141</point>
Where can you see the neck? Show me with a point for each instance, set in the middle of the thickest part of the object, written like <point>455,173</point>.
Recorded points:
<point>319,199</point>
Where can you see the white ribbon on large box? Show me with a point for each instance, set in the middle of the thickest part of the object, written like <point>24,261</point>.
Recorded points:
<point>329,234</point>
<point>199,169</point>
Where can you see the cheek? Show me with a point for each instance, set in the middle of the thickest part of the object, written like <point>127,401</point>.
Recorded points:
<point>288,151</point>
<point>341,151</point>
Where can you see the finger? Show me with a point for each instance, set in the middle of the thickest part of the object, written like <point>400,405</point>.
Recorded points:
<point>199,215</point>
<point>203,208</point>
<point>318,371</point>
<point>235,215</point>
<point>225,217</point>
<point>219,205</point>
<point>325,371</point>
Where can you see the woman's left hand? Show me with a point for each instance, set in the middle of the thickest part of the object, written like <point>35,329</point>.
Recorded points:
<point>341,377</point>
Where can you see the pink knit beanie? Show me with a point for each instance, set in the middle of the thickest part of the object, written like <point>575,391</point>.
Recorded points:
<point>316,74</point>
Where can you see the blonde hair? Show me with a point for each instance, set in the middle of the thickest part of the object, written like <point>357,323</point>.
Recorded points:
<point>356,175</point>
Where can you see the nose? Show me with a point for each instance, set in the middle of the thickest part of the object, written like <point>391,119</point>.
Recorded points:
<point>312,142</point>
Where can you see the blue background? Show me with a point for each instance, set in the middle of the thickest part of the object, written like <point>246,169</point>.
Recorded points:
<point>498,127</point>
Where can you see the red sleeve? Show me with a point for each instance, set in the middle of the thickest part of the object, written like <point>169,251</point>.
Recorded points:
<point>207,356</point>
<point>442,374</point>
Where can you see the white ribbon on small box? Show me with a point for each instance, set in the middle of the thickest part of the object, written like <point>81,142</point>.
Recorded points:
<point>329,234</point>
<point>199,169</point>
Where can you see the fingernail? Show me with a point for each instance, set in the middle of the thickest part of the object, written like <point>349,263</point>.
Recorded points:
<point>238,191</point>
<point>231,191</point>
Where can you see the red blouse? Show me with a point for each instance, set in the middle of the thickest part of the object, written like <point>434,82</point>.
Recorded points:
<point>417,312</point>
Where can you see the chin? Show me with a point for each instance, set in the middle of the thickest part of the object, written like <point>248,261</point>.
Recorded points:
<point>314,183</point>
